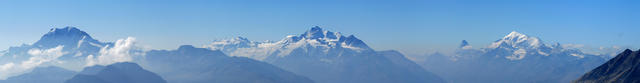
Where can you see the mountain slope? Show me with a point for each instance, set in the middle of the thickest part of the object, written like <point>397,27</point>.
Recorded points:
<point>117,73</point>
<point>624,68</point>
<point>50,74</point>
<point>330,57</point>
<point>188,64</point>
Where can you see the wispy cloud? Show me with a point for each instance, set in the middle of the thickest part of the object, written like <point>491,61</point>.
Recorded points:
<point>38,57</point>
<point>602,50</point>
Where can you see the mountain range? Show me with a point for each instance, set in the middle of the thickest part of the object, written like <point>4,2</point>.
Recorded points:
<point>514,58</point>
<point>330,57</point>
<point>316,55</point>
<point>71,48</point>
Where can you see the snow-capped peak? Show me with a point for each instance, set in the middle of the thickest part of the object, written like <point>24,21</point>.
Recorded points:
<point>68,36</point>
<point>515,34</point>
<point>66,31</point>
<point>517,40</point>
<point>316,36</point>
<point>314,39</point>
<point>317,33</point>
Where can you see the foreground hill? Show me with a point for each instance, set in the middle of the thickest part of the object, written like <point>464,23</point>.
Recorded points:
<point>624,68</point>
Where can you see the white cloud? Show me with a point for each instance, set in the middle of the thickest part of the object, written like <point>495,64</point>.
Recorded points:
<point>601,50</point>
<point>6,67</point>
<point>37,58</point>
<point>466,47</point>
<point>517,55</point>
<point>120,52</point>
<point>578,55</point>
<point>2,53</point>
<point>572,46</point>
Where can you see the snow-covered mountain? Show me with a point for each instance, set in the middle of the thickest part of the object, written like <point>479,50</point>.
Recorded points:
<point>75,41</point>
<point>329,57</point>
<point>514,58</point>
<point>63,47</point>
<point>624,68</point>
<point>188,64</point>
<point>314,39</point>
<point>124,72</point>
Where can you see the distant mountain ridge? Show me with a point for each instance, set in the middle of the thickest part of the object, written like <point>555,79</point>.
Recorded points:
<point>188,64</point>
<point>49,74</point>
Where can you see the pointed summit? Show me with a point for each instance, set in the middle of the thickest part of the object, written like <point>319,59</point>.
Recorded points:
<point>627,51</point>
<point>517,37</point>
<point>329,38</point>
<point>65,33</point>
<point>241,38</point>
<point>515,34</point>
<point>317,32</point>
<point>517,40</point>
<point>315,28</point>
<point>464,45</point>
<point>68,36</point>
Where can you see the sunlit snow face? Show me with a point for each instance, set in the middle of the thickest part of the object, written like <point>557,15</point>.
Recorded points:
<point>315,38</point>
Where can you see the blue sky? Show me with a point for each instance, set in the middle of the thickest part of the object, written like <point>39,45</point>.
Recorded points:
<point>406,25</point>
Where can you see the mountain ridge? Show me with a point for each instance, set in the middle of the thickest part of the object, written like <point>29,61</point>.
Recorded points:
<point>624,68</point>
<point>123,72</point>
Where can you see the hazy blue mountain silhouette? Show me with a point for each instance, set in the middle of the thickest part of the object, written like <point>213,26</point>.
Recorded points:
<point>124,72</point>
<point>188,64</point>
<point>49,74</point>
